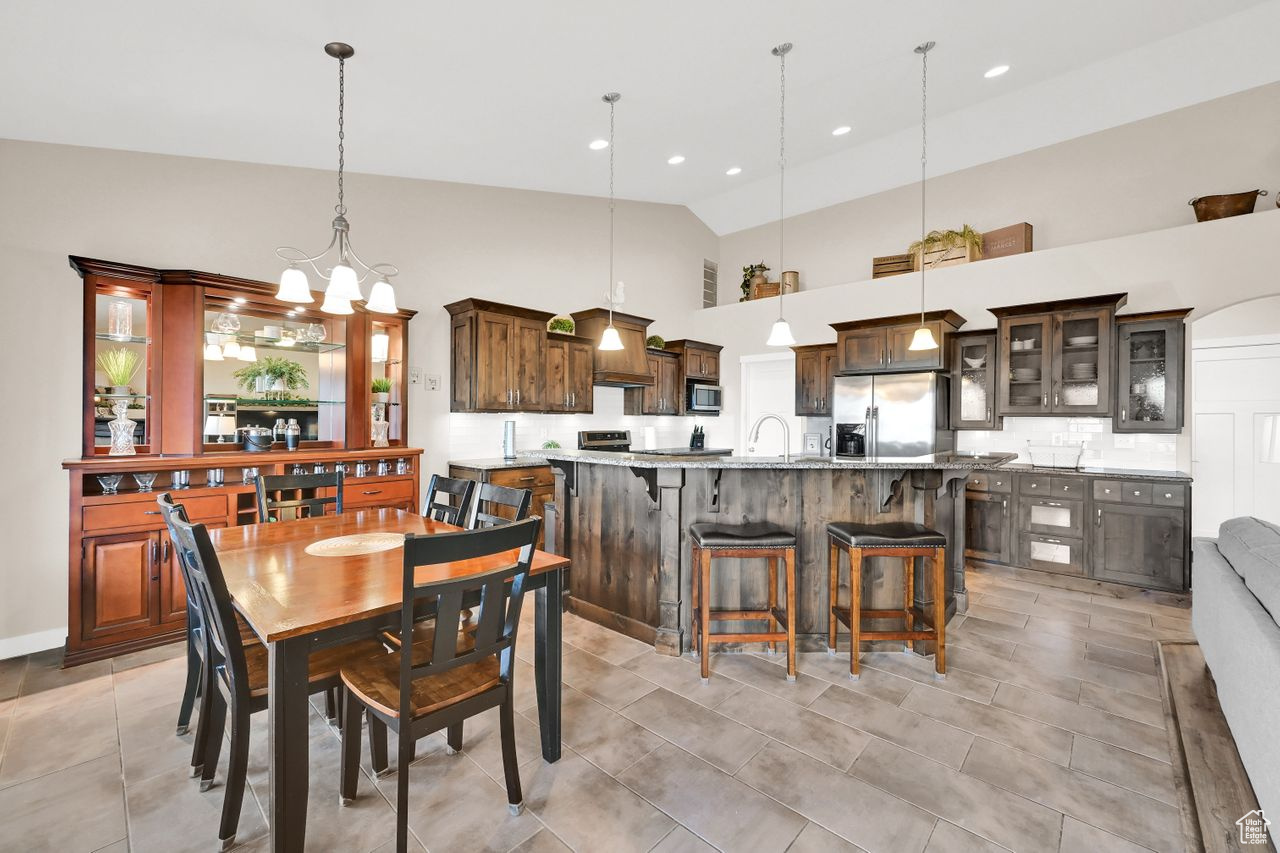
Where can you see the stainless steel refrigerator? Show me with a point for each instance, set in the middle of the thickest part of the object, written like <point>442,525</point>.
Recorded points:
<point>891,415</point>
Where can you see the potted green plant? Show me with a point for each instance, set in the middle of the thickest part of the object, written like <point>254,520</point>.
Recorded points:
<point>753,274</point>
<point>561,323</point>
<point>655,342</point>
<point>944,248</point>
<point>119,365</point>
<point>381,390</point>
<point>273,377</point>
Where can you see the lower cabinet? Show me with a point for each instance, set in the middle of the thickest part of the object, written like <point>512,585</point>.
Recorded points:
<point>1132,532</point>
<point>1142,545</point>
<point>538,479</point>
<point>117,583</point>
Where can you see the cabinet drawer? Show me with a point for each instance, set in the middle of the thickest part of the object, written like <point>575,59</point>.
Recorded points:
<point>382,493</point>
<point>145,513</point>
<point>1052,553</point>
<point>523,478</point>
<point>1107,490</point>
<point>1132,492</point>
<point>1067,487</point>
<point>1035,484</point>
<point>977,482</point>
<point>1168,494</point>
<point>999,482</point>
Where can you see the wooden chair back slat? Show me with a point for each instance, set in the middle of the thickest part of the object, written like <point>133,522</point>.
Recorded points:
<point>448,499</point>
<point>287,497</point>
<point>492,499</point>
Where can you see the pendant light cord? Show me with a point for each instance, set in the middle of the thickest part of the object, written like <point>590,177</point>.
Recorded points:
<point>340,208</point>
<point>782,167</point>
<point>612,103</point>
<point>924,148</point>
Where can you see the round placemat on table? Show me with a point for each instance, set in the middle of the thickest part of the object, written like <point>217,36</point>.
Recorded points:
<point>355,544</point>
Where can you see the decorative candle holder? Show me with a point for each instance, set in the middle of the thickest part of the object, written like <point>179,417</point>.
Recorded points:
<point>213,477</point>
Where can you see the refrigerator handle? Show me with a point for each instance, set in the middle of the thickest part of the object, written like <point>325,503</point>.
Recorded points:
<point>872,449</point>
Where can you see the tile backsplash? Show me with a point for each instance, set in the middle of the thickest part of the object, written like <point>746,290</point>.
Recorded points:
<point>1102,447</point>
<point>479,436</point>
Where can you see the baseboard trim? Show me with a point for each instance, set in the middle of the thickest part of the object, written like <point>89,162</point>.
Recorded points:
<point>12,647</point>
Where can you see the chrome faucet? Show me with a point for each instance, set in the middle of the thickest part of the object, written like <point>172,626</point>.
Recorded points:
<point>786,434</point>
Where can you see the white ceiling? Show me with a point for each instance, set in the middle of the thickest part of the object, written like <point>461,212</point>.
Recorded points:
<point>507,93</point>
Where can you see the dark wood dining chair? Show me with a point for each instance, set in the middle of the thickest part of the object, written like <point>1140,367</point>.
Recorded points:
<point>456,674</point>
<point>285,497</point>
<point>448,499</point>
<point>492,500</point>
<point>235,674</point>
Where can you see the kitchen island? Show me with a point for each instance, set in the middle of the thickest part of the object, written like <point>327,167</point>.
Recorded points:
<point>623,519</point>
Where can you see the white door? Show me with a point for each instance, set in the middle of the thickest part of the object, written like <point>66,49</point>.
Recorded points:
<point>769,387</point>
<point>1235,407</point>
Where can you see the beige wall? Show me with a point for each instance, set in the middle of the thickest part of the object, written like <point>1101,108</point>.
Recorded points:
<point>1127,180</point>
<point>450,241</point>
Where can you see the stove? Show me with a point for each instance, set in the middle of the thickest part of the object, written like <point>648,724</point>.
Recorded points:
<point>618,440</point>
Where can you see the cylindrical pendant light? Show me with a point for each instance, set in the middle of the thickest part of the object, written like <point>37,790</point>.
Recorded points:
<point>923,338</point>
<point>780,335</point>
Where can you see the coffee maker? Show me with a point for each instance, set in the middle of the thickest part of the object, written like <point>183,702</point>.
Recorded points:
<point>851,440</point>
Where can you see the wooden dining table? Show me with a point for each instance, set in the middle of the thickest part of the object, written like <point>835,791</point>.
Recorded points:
<point>297,602</point>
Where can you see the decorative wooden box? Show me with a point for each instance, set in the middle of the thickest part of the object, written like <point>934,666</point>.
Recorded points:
<point>891,265</point>
<point>1010,240</point>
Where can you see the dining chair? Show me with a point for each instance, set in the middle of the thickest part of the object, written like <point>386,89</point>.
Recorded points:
<point>492,499</point>
<point>454,674</point>
<point>454,507</point>
<point>272,489</point>
<point>235,674</point>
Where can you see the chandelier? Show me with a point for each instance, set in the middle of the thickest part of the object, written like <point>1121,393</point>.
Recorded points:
<point>344,281</point>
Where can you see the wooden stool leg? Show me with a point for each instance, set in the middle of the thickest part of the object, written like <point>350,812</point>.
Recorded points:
<point>695,612</point>
<point>855,609</point>
<point>773,595</point>
<point>790,559</point>
<point>909,598</point>
<point>833,592</point>
<point>704,602</point>
<point>940,610</point>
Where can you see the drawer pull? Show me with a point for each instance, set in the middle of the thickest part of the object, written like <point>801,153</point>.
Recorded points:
<point>372,492</point>
<point>1137,493</point>
<point>1034,485</point>
<point>1168,495</point>
<point>1050,503</point>
<point>1066,488</point>
<point>1099,518</point>
<point>999,482</point>
<point>527,479</point>
<point>1054,541</point>
<point>1106,491</point>
<point>151,512</point>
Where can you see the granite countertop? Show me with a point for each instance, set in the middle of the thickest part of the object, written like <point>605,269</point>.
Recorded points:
<point>1112,473</point>
<point>952,461</point>
<point>524,460</point>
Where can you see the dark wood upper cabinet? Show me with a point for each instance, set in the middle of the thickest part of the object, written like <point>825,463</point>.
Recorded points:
<point>661,398</point>
<point>815,369</point>
<point>1150,351</point>
<point>699,361</point>
<point>973,381</point>
<point>568,374</point>
<point>1055,358</point>
<point>499,357</point>
<point>882,345</point>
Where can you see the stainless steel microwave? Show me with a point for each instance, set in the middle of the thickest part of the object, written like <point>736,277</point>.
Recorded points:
<point>702,398</point>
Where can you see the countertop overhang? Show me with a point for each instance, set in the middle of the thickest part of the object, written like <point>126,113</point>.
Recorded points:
<point>933,461</point>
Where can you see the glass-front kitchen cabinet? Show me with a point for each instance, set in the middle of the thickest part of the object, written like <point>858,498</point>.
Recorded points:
<point>1149,372</point>
<point>973,381</point>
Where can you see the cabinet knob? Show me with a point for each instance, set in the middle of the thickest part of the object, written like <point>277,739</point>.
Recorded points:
<point>1168,494</point>
<point>1106,491</point>
<point>1136,492</point>
<point>1066,488</point>
<point>999,482</point>
<point>1035,485</point>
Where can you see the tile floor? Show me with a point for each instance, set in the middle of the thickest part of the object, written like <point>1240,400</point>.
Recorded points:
<point>1048,735</point>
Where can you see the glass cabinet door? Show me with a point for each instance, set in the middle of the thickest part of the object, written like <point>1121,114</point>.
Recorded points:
<point>122,364</point>
<point>1082,363</point>
<point>1149,380</point>
<point>1027,369</point>
<point>387,390</point>
<point>974,389</point>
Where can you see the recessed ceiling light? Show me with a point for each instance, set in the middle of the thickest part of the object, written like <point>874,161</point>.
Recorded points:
<point>996,72</point>
<point>676,160</point>
<point>841,130</point>
<point>598,144</point>
<point>736,170</point>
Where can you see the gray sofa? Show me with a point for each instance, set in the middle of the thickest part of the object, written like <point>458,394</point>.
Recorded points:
<point>1234,612</point>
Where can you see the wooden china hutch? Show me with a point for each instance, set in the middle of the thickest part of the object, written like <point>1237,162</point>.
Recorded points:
<point>196,356</point>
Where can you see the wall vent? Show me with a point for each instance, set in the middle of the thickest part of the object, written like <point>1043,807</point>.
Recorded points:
<point>710,280</point>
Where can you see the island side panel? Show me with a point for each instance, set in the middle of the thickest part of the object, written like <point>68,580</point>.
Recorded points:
<point>614,539</point>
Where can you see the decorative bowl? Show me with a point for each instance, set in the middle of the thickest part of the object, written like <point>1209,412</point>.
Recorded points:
<point>145,480</point>
<point>975,363</point>
<point>110,483</point>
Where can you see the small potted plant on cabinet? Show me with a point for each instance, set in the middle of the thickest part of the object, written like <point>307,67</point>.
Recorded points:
<point>119,365</point>
<point>945,248</point>
<point>273,377</point>
<point>753,275</point>
<point>381,390</point>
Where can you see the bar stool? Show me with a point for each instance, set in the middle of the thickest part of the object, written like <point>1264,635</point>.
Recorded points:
<point>750,541</point>
<point>894,539</point>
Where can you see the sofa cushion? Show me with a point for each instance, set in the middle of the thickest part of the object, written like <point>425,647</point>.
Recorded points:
<point>1252,547</point>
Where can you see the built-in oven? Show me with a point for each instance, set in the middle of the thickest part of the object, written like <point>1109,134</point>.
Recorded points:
<point>702,398</point>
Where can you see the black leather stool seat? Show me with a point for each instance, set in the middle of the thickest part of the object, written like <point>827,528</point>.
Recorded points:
<point>893,534</point>
<point>756,534</point>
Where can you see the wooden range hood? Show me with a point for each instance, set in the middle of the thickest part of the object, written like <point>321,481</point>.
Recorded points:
<point>624,368</point>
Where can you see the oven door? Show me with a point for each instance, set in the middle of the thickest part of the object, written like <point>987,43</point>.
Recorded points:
<point>703,398</point>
